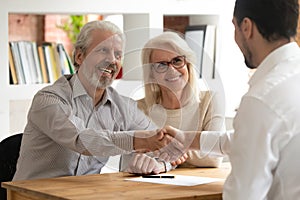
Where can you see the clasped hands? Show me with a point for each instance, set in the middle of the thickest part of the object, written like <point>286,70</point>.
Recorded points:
<point>167,144</point>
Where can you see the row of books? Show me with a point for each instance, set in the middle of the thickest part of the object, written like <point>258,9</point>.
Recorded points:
<point>30,63</point>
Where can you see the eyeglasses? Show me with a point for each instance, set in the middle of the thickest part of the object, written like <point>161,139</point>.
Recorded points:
<point>177,62</point>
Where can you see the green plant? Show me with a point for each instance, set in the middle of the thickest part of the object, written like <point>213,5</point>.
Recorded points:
<point>72,26</point>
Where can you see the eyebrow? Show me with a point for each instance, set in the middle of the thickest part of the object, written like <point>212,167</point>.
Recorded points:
<point>167,61</point>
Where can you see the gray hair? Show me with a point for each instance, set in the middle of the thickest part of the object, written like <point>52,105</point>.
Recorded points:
<point>84,38</point>
<point>169,41</point>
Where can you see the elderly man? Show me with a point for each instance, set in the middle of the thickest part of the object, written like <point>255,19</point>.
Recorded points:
<point>75,124</point>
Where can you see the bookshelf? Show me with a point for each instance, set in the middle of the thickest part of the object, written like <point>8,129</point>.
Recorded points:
<point>142,17</point>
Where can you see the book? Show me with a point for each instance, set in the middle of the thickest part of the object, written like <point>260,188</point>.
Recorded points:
<point>17,60</point>
<point>45,74</point>
<point>37,62</point>
<point>70,63</point>
<point>202,40</point>
<point>46,51</point>
<point>55,61</point>
<point>64,64</point>
<point>12,68</point>
<point>29,51</point>
<point>51,59</point>
<point>25,62</point>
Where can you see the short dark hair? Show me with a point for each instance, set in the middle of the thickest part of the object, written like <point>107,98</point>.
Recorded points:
<point>274,19</point>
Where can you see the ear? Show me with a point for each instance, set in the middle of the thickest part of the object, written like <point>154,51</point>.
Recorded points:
<point>247,26</point>
<point>79,57</point>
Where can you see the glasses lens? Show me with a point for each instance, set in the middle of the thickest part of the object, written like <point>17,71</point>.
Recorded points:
<point>160,67</point>
<point>178,62</point>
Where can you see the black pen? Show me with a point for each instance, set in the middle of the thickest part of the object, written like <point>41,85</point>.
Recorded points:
<point>162,176</point>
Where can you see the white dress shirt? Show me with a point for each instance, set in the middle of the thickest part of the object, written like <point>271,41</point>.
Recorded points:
<point>66,135</point>
<point>264,151</point>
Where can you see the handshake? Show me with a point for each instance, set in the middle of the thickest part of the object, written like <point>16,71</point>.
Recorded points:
<point>168,143</point>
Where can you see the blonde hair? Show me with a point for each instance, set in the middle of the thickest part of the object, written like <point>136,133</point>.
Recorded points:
<point>168,41</point>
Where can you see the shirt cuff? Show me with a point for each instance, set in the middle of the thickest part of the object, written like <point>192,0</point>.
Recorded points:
<point>210,143</point>
<point>168,166</point>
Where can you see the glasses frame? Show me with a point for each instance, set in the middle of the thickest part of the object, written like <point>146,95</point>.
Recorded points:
<point>168,63</point>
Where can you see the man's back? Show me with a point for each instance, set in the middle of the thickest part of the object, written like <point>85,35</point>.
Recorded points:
<point>267,131</point>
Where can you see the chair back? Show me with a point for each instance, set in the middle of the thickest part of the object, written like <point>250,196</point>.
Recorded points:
<point>9,154</point>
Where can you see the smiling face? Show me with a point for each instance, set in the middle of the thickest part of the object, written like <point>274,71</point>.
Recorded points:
<point>102,61</point>
<point>173,79</point>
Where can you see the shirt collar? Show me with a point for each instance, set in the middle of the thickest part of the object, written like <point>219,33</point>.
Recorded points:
<point>79,90</point>
<point>278,55</point>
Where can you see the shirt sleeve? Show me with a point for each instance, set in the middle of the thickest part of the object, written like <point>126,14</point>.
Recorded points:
<point>215,143</point>
<point>213,119</point>
<point>53,116</point>
<point>195,159</point>
<point>254,150</point>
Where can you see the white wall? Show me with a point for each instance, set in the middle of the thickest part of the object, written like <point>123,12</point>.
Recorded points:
<point>230,62</point>
<point>231,68</point>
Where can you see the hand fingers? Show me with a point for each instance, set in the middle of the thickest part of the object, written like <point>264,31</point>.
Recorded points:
<point>160,135</point>
<point>152,165</point>
<point>135,159</point>
<point>174,163</point>
<point>166,140</point>
<point>181,160</point>
<point>156,153</point>
<point>164,156</point>
<point>135,164</point>
<point>171,131</point>
<point>158,166</point>
<point>172,152</point>
<point>142,164</point>
<point>145,165</point>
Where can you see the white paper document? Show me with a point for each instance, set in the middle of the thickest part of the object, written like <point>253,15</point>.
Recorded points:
<point>180,180</point>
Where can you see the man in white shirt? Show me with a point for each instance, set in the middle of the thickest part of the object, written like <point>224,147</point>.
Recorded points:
<point>264,148</point>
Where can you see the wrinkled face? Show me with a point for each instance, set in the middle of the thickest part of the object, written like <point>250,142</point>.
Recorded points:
<point>102,61</point>
<point>174,79</point>
<point>242,44</point>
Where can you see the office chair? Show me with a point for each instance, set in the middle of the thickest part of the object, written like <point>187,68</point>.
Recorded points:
<point>9,154</point>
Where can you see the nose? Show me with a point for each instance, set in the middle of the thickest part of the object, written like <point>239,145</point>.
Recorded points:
<point>110,57</point>
<point>170,66</point>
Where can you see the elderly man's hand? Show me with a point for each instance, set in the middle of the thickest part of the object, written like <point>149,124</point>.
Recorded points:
<point>144,164</point>
<point>178,146</point>
<point>169,143</point>
<point>145,141</point>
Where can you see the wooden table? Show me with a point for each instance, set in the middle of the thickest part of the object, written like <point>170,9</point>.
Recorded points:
<point>113,186</point>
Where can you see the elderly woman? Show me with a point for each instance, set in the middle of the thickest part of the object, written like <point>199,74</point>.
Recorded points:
<point>172,97</point>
